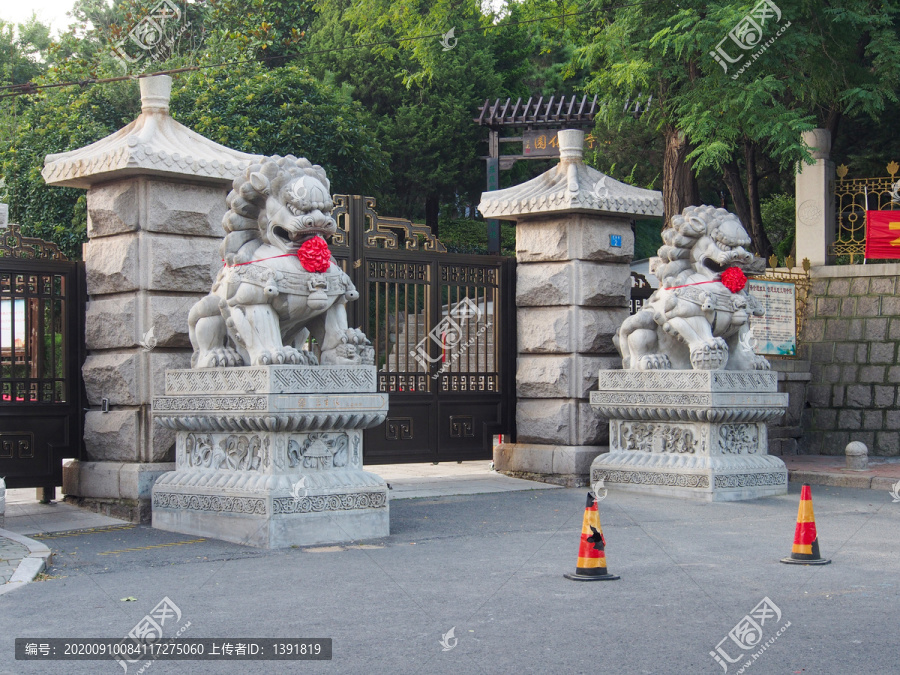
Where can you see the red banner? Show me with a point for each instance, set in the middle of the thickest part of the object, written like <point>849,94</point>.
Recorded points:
<point>882,234</point>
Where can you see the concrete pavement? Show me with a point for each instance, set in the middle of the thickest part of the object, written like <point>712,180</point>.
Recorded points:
<point>26,516</point>
<point>490,566</point>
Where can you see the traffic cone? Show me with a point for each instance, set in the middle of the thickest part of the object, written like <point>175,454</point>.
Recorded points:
<point>592,552</point>
<point>806,542</point>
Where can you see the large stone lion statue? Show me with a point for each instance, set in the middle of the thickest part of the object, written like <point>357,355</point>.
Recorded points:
<point>265,301</point>
<point>694,320</point>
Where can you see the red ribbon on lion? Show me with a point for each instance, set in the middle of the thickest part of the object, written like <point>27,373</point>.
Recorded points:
<point>733,279</point>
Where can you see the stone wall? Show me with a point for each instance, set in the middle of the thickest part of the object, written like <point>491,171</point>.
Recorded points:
<point>786,435</point>
<point>851,335</point>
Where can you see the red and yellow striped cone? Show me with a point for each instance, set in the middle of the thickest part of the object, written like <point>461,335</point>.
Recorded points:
<point>592,551</point>
<point>806,542</point>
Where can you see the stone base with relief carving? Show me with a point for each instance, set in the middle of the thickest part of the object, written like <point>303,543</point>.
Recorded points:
<point>690,433</point>
<point>271,456</point>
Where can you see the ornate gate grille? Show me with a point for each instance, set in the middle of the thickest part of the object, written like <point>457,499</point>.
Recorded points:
<point>853,198</point>
<point>41,352</point>
<point>443,327</point>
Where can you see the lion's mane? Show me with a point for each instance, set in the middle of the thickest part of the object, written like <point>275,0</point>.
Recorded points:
<point>245,221</point>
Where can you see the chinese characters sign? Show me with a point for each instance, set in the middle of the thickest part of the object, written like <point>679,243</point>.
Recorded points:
<point>545,143</point>
<point>776,330</point>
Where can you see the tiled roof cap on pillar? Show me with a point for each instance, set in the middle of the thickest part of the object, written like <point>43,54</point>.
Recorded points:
<point>153,144</point>
<point>570,187</point>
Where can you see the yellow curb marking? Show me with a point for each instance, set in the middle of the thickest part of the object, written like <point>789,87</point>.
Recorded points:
<point>147,548</point>
<point>77,533</point>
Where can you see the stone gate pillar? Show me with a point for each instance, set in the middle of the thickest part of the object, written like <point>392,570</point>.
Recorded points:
<point>155,200</point>
<point>814,196</point>
<point>574,243</point>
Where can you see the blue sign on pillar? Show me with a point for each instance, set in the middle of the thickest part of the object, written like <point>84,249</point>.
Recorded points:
<point>615,240</point>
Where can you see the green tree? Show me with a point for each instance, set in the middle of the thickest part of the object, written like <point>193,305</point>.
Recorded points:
<point>826,63</point>
<point>251,107</point>
<point>52,121</point>
<point>284,111</point>
<point>424,123</point>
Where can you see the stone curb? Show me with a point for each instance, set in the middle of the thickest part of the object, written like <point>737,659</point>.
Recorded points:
<point>835,479</point>
<point>29,567</point>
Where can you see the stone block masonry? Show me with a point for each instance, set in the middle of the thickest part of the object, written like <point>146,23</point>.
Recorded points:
<point>573,248</point>
<point>154,228</point>
<point>852,333</point>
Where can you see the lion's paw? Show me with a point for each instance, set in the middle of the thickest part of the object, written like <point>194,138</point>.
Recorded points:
<point>219,357</point>
<point>354,349</point>
<point>280,355</point>
<point>760,363</point>
<point>355,336</point>
<point>654,362</point>
<point>308,358</point>
<point>711,355</point>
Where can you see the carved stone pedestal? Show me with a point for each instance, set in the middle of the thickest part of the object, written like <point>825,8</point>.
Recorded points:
<point>271,456</point>
<point>690,433</point>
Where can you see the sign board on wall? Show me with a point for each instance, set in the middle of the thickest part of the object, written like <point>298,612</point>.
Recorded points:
<point>776,331</point>
<point>545,143</point>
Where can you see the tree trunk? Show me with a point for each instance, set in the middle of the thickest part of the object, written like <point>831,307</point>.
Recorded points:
<point>744,209</point>
<point>833,123</point>
<point>757,231</point>
<point>679,183</point>
<point>740,205</point>
<point>432,208</point>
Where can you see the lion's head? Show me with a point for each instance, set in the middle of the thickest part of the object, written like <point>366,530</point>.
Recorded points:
<point>280,201</point>
<point>704,240</point>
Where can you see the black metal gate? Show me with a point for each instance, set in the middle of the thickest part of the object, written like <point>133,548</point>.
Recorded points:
<point>41,353</point>
<point>443,327</point>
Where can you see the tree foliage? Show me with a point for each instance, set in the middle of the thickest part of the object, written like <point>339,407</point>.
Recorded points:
<point>382,94</point>
<point>284,111</point>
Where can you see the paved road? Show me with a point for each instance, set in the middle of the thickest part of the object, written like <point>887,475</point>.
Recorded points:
<point>491,567</point>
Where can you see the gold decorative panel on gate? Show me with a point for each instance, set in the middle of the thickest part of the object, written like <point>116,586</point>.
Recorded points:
<point>853,198</point>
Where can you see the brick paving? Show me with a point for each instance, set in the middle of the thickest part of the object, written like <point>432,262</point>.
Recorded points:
<point>11,554</point>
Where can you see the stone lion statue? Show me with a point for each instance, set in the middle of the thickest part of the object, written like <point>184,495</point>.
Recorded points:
<point>698,318</point>
<point>279,283</point>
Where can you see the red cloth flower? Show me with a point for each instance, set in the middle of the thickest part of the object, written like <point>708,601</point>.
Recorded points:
<point>734,279</point>
<point>314,255</point>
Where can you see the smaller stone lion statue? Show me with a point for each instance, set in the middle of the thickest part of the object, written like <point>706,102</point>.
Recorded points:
<point>698,318</point>
<point>279,283</point>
